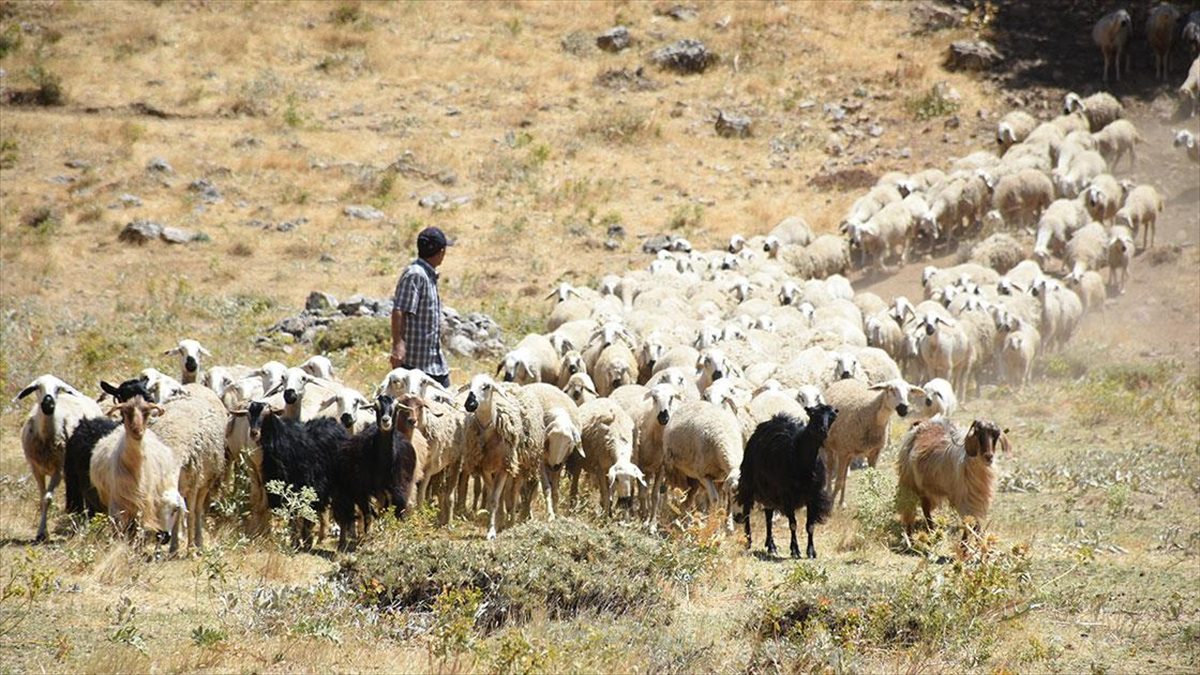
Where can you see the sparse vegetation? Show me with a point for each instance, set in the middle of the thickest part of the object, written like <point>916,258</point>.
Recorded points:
<point>622,126</point>
<point>936,102</point>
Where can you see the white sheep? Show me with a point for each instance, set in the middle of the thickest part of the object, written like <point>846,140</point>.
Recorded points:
<point>194,427</point>
<point>1017,353</point>
<point>162,387</point>
<point>1191,33</point>
<point>189,352</point>
<point>1120,252</point>
<point>999,251</point>
<point>792,231</point>
<point>1191,85</point>
<point>1116,139</point>
<point>945,350</point>
<point>1160,33</point>
<point>1087,248</point>
<point>318,366</point>
<point>59,408</point>
<point>1061,312</point>
<point>534,359</point>
<point>1014,128</point>
<point>608,437</point>
<point>862,425</point>
<point>1100,109</point>
<point>938,463</point>
<point>1089,286</point>
<point>939,398</point>
<point>443,427</point>
<point>1111,34</point>
<point>401,381</point>
<point>134,471</point>
<point>1055,227</point>
<point>616,366</point>
<point>349,407</point>
<point>1104,196</point>
<point>1078,173</point>
<point>702,442</point>
<point>1187,140</point>
<point>580,388</point>
<point>887,233</point>
<point>513,429</point>
<point>1140,212</point>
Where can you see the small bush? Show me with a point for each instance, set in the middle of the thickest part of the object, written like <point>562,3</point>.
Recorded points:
<point>203,636</point>
<point>936,102</point>
<point>41,218</point>
<point>8,153</point>
<point>686,217</point>
<point>48,89</point>
<point>347,13</point>
<point>241,249</point>
<point>563,568</point>
<point>10,40</point>
<point>356,331</point>
<point>621,126</point>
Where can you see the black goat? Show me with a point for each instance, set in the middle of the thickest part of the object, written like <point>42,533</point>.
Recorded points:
<point>376,462</point>
<point>298,454</point>
<point>782,469</point>
<point>81,494</point>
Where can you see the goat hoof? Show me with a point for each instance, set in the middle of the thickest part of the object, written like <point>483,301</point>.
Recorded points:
<point>796,552</point>
<point>812,553</point>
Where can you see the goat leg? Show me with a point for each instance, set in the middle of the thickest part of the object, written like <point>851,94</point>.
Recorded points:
<point>794,548</point>
<point>769,515</point>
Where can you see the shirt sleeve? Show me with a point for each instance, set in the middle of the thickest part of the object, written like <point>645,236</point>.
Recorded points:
<point>407,296</point>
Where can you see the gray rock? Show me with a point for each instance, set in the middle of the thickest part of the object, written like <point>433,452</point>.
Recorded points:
<point>876,131</point>
<point>363,212</point>
<point>461,345</point>
<point>351,305</point>
<point>129,201</point>
<point>432,200</point>
<point>616,231</point>
<point>614,39</point>
<point>159,165</point>
<point>140,231</point>
<point>205,188</point>
<point>622,79</point>
<point>293,325</point>
<point>657,243</point>
<point>679,12</point>
<point>732,126</point>
<point>177,235</point>
<point>686,57</point>
<point>61,180</point>
<point>320,302</point>
<point>78,164</point>
<point>835,112</point>
<point>447,177</point>
<point>972,55</point>
<point>611,245</point>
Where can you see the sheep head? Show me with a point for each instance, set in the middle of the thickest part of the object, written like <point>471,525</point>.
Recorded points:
<point>845,366</point>
<point>318,366</point>
<point>578,385</point>
<point>736,243</point>
<point>895,394</point>
<point>49,387</point>
<point>809,396</point>
<point>562,437</point>
<point>622,475</point>
<point>664,397</point>
<point>479,399</point>
<point>189,352</point>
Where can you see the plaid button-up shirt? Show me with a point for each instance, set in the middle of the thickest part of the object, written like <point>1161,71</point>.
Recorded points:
<point>417,296</point>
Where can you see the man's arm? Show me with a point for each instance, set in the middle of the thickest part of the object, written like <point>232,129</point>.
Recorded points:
<point>398,345</point>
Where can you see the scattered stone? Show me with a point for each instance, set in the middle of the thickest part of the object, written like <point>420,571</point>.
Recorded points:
<point>930,17</point>
<point>616,231</point>
<point>905,153</point>
<point>78,164</point>
<point>159,165</point>
<point>972,55</point>
<point>431,200</point>
<point>875,131</point>
<point>732,126</point>
<point>247,142</point>
<point>953,122</point>
<point>129,201</point>
<point>834,145</point>
<point>686,57</point>
<point>363,212</point>
<point>834,111</point>
<point>679,12</point>
<point>282,226</point>
<point>319,301</point>
<point>140,231</point>
<point>614,39</point>
<point>205,188</point>
<point>447,177</point>
<point>61,180</point>
<point>622,79</point>
<point>611,245</point>
<point>326,258</point>
<point>177,235</point>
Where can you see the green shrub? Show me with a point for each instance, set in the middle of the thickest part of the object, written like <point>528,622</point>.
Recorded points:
<point>356,331</point>
<point>48,89</point>
<point>563,568</point>
<point>936,102</point>
<point>10,39</point>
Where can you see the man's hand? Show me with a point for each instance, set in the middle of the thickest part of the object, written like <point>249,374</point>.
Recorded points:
<point>397,355</point>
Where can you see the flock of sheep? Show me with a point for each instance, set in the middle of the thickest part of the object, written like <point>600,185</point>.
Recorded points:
<point>754,374</point>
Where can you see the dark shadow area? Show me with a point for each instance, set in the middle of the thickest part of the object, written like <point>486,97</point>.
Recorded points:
<point>1048,44</point>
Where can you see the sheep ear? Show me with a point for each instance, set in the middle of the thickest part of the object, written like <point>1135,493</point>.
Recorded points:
<point>327,402</point>
<point>105,387</point>
<point>499,368</point>
<point>205,352</point>
<point>274,390</point>
<point>172,350</point>
<point>877,387</point>
<point>971,442</point>
<point>25,392</point>
<point>552,294</point>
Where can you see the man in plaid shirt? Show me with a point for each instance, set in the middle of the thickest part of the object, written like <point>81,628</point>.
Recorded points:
<point>417,310</point>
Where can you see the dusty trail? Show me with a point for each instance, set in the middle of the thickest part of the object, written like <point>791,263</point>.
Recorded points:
<point>1159,315</point>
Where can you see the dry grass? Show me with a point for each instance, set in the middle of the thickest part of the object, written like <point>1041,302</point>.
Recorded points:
<point>331,94</point>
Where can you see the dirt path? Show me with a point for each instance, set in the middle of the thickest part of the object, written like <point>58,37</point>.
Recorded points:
<point>1159,316</point>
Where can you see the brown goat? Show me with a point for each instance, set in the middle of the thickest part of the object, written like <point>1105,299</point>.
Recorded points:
<point>939,463</point>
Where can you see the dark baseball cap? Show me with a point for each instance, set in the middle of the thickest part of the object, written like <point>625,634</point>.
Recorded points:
<point>430,241</point>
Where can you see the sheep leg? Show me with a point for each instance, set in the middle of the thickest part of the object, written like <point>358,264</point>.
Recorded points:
<point>655,499</point>
<point>843,472</point>
<point>548,492</point>
<point>768,516</point>
<point>47,497</point>
<point>477,503</point>
<point>497,490</point>
<point>794,548</point>
<point>574,486</point>
<point>746,526</point>
<point>605,497</point>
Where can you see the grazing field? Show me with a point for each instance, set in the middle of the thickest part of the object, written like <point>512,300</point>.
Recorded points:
<point>257,125</point>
